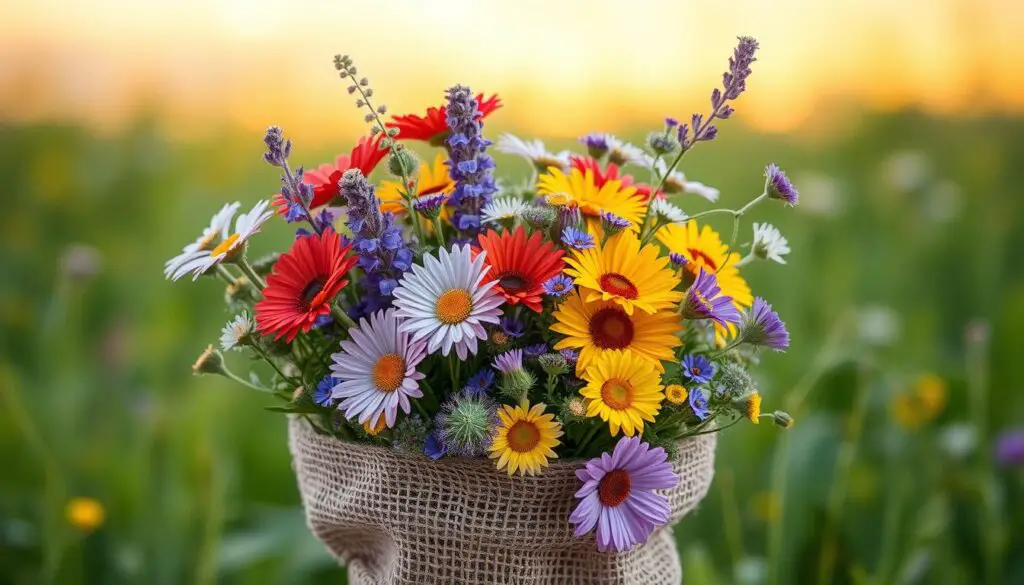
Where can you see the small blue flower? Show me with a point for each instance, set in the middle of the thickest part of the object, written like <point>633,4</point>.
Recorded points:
<point>535,350</point>
<point>322,396</point>
<point>571,355</point>
<point>433,447</point>
<point>698,368</point>
<point>577,239</point>
<point>513,327</point>
<point>323,220</point>
<point>558,285</point>
<point>699,402</point>
<point>678,260</point>
<point>480,382</point>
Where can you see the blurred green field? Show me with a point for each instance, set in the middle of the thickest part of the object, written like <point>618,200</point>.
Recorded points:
<point>906,260</point>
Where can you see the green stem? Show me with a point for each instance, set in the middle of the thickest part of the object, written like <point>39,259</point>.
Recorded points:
<point>342,317</point>
<point>247,269</point>
<point>266,357</point>
<point>225,274</point>
<point>588,437</point>
<point>423,411</point>
<point>731,523</point>
<point>232,376</point>
<point>439,232</point>
<point>711,212</point>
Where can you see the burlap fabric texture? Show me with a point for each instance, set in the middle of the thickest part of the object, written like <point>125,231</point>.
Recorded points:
<point>399,518</point>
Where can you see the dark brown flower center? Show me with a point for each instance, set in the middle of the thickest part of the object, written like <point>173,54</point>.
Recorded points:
<point>613,489</point>
<point>611,328</point>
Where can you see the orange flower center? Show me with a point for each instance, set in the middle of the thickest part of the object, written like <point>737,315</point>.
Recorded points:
<point>617,284</point>
<point>224,246</point>
<point>523,436</point>
<point>617,393</point>
<point>613,489</point>
<point>389,372</point>
<point>512,282</point>
<point>611,328</point>
<point>453,306</point>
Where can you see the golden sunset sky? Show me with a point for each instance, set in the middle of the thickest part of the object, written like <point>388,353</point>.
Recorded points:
<point>562,68</point>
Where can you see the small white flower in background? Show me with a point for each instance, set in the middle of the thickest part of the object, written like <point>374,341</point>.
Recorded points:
<point>701,190</point>
<point>237,332</point>
<point>907,170</point>
<point>878,325</point>
<point>246,226</point>
<point>769,243</point>
<point>820,194</point>
<point>667,211</point>
<point>217,230</point>
<point>624,153</point>
<point>533,151</point>
<point>503,208</point>
<point>959,440</point>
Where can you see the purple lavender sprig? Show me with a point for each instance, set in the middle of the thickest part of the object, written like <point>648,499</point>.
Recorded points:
<point>296,193</point>
<point>734,83</point>
<point>469,164</point>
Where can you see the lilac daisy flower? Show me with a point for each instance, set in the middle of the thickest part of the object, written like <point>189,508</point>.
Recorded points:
<point>613,224</point>
<point>509,362</point>
<point>762,326</point>
<point>480,382</point>
<point>698,368</point>
<point>535,350</point>
<point>705,301</point>
<point>779,186</point>
<point>577,239</point>
<point>597,144</point>
<point>558,286</point>
<point>430,206</point>
<point>699,402</point>
<point>618,497</point>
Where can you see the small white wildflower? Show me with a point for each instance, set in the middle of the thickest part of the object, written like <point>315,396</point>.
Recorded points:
<point>533,151</point>
<point>503,208</point>
<point>769,243</point>
<point>668,212</point>
<point>237,332</point>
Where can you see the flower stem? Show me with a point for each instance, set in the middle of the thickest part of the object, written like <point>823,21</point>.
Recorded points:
<point>342,317</point>
<point>248,270</point>
<point>439,232</point>
<point>259,351</point>
<point>233,376</point>
<point>588,438</point>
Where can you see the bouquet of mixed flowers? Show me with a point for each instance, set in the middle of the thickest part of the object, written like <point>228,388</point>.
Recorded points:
<point>581,314</point>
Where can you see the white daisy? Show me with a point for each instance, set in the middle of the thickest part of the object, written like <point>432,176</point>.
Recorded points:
<point>769,243</point>
<point>377,370</point>
<point>446,302</point>
<point>218,229</point>
<point>533,151</point>
<point>624,153</point>
<point>246,226</point>
<point>503,208</point>
<point>701,190</point>
<point>667,211</point>
<point>237,332</point>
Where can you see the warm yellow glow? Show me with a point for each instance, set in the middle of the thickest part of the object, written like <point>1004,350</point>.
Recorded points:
<point>563,68</point>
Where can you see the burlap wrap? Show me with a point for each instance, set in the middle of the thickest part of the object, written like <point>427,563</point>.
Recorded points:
<point>399,518</point>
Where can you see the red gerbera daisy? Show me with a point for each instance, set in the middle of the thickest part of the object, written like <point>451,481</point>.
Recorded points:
<point>433,128</point>
<point>611,173</point>
<point>365,156</point>
<point>303,285</point>
<point>521,266</point>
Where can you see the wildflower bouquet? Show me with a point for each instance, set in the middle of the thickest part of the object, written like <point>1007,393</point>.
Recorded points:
<point>452,320</point>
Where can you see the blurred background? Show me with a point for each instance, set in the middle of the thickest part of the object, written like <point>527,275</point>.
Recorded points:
<point>125,125</point>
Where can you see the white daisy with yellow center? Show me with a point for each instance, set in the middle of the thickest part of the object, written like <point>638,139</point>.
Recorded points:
<point>231,246</point>
<point>446,302</point>
<point>377,369</point>
<point>216,232</point>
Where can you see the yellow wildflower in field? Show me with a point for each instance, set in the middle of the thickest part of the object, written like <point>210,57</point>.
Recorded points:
<point>85,514</point>
<point>921,403</point>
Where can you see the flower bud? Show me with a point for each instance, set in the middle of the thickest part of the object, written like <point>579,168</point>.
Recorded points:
<point>782,419</point>
<point>662,143</point>
<point>516,383</point>
<point>553,364</point>
<point>402,163</point>
<point>540,218</point>
<point>211,361</point>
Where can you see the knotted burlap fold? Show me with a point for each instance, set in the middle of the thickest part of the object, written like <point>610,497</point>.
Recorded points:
<point>399,518</point>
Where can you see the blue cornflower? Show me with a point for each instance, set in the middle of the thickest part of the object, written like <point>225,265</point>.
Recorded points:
<point>433,447</point>
<point>535,350</point>
<point>698,368</point>
<point>699,402</point>
<point>322,396</point>
<point>779,186</point>
<point>558,285</point>
<point>571,355</point>
<point>762,326</point>
<point>577,239</point>
<point>480,382</point>
<point>513,327</point>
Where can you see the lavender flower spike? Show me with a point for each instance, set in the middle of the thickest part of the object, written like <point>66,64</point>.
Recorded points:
<point>704,300</point>
<point>469,164</point>
<point>762,326</point>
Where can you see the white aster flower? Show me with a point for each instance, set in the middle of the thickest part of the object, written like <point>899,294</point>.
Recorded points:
<point>246,226</point>
<point>533,151</point>
<point>445,301</point>
<point>667,211</point>
<point>624,153</point>
<point>701,190</point>
<point>237,332</point>
<point>217,230</point>
<point>377,369</point>
<point>769,243</point>
<point>503,208</point>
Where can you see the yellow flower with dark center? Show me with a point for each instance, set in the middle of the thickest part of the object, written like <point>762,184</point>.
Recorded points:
<point>676,394</point>
<point>582,189</point>
<point>525,439</point>
<point>599,326</point>
<point>431,180</point>
<point>623,390</point>
<point>922,403</point>
<point>627,273</point>
<point>85,514</point>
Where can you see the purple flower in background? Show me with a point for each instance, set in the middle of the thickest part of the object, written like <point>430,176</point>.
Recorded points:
<point>698,368</point>
<point>704,301</point>
<point>571,355</point>
<point>671,123</point>
<point>433,447</point>
<point>762,326</point>
<point>779,186</point>
<point>597,144</point>
<point>734,83</point>
<point>512,327</point>
<point>469,164</point>
<point>322,396</point>
<point>577,239</point>
<point>618,497</point>
<point>699,402</point>
<point>558,286</point>
<point>480,382</point>
<point>509,362</point>
<point>1010,448</point>
<point>430,205</point>
<point>297,194</point>
<point>535,350</point>
<point>678,260</point>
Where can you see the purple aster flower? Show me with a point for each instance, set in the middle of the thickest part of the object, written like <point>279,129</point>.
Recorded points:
<point>577,239</point>
<point>779,186</point>
<point>597,144</point>
<point>698,368</point>
<point>613,224</point>
<point>618,497</point>
<point>322,396</point>
<point>558,285</point>
<point>535,350</point>
<point>1010,448</point>
<point>509,362</point>
<point>480,382</point>
<point>469,164</point>
<point>762,326</point>
<point>699,402</point>
<point>671,122</point>
<point>704,301</point>
<point>571,355</point>
<point>678,260</point>
<point>513,327</point>
<point>430,206</point>
<point>433,447</point>
<point>323,220</point>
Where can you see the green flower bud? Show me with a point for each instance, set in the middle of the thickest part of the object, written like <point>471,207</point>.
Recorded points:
<point>402,163</point>
<point>553,364</point>
<point>540,218</point>
<point>211,361</point>
<point>783,419</point>
<point>517,383</point>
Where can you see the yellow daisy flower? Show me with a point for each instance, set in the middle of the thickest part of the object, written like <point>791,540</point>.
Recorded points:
<point>922,403</point>
<point>624,391</point>
<point>676,394</point>
<point>627,273</point>
<point>525,438</point>
<point>581,188</point>
<point>703,248</point>
<point>599,326</point>
<point>752,407</point>
<point>430,181</point>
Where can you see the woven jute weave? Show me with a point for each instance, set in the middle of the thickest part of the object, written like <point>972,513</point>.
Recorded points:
<point>399,518</point>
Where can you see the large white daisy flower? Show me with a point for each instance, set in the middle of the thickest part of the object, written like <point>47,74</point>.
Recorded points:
<point>769,243</point>
<point>217,230</point>
<point>503,208</point>
<point>533,151</point>
<point>377,369</point>
<point>667,211</point>
<point>246,226</point>
<point>445,301</point>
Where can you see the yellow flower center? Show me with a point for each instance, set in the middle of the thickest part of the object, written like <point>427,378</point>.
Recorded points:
<point>453,306</point>
<point>523,436</point>
<point>389,372</point>
<point>617,393</point>
<point>617,284</point>
<point>224,246</point>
